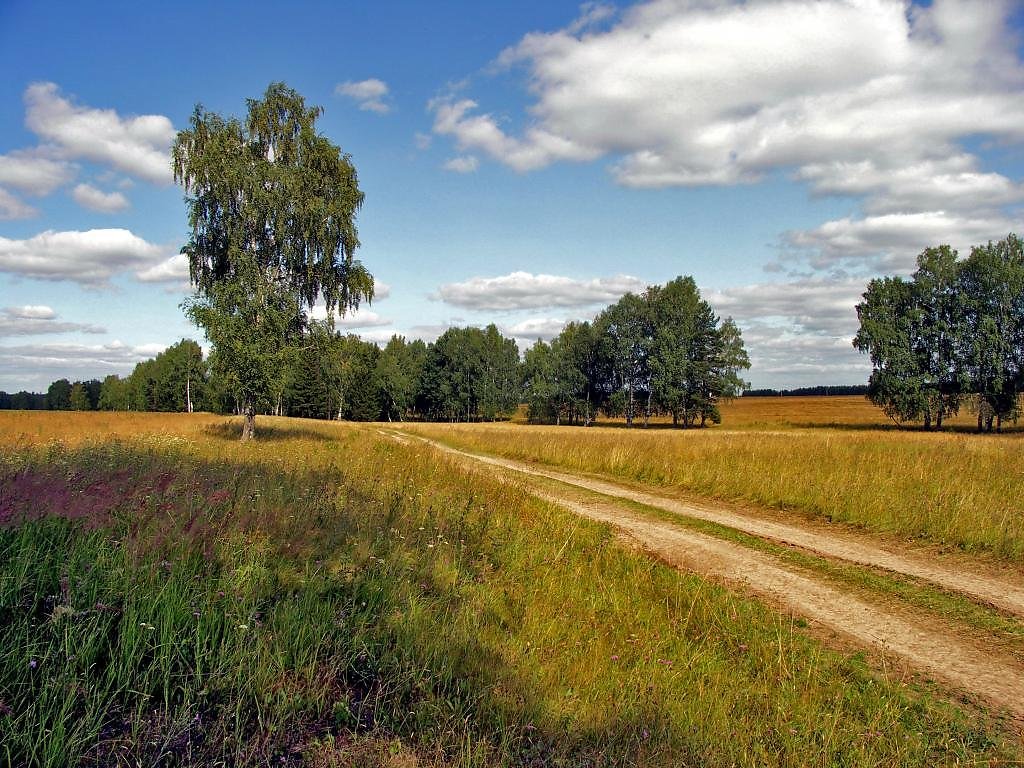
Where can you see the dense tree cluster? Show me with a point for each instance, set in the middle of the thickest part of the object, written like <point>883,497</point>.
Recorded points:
<point>835,390</point>
<point>953,333</point>
<point>177,379</point>
<point>664,351</point>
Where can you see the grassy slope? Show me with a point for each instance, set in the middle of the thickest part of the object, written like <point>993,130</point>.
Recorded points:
<point>326,592</point>
<point>955,488</point>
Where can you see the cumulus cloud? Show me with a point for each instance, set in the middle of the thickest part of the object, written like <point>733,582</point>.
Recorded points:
<point>797,333</point>
<point>891,242</point>
<point>351,320</point>
<point>462,164</point>
<point>949,183</point>
<point>139,145</point>
<point>540,147</point>
<point>865,98</point>
<point>523,290</point>
<point>173,269</point>
<point>695,93</point>
<point>89,258</point>
<point>35,365</point>
<point>533,328</point>
<point>368,94</point>
<point>36,319</point>
<point>33,172</point>
<point>97,200</point>
<point>13,208</point>
<point>809,305</point>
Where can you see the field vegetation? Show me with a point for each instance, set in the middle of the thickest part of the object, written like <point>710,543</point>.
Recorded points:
<point>831,458</point>
<point>328,596</point>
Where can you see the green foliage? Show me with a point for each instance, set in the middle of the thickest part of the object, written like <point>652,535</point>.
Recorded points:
<point>664,351</point>
<point>955,329</point>
<point>79,399</point>
<point>58,396</point>
<point>470,375</point>
<point>272,208</point>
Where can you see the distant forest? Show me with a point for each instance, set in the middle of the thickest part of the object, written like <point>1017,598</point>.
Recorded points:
<point>819,391</point>
<point>661,352</point>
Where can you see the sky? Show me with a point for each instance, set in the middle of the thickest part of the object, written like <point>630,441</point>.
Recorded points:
<point>524,163</point>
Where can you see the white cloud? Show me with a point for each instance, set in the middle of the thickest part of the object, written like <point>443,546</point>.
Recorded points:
<point>811,305</point>
<point>539,148</point>
<point>522,290</point>
<point>381,290</point>
<point>891,242</point>
<point>534,328</point>
<point>378,336</point>
<point>462,164</point>
<point>94,199</point>
<point>36,365</point>
<point>173,269</point>
<point>90,257</point>
<point>870,98</point>
<point>32,172</point>
<point>138,145</point>
<point>30,312</point>
<point>422,140</point>
<point>13,208</point>
<point>38,319</point>
<point>351,320</point>
<point>368,94</point>
<point>797,333</point>
<point>950,183</point>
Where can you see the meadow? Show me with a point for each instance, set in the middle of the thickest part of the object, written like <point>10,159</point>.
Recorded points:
<point>328,596</point>
<point>831,458</point>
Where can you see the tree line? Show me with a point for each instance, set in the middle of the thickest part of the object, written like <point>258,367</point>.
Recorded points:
<point>664,351</point>
<point>951,334</point>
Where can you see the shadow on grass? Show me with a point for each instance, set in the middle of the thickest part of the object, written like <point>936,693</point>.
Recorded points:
<point>266,433</point>
<point>372,675</point>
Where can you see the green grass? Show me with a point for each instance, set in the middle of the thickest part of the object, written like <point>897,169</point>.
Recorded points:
<point>327,593</point>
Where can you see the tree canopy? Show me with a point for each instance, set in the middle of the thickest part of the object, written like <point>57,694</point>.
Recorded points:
<point>952,332</point>
<point>271,207</point>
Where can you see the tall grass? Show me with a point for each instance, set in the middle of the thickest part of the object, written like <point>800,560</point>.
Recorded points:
<point>956,489</point>
<point>183,599</point>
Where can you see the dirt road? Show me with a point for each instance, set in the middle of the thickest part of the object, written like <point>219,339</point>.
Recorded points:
<point>926,643</point>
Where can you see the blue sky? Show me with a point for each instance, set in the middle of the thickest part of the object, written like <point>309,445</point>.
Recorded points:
<point>523,163</point>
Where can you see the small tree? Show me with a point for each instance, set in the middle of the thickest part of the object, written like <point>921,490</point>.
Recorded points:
<point>272,208</point>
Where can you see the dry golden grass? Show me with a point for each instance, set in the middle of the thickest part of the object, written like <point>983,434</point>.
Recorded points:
<point>829,457</point>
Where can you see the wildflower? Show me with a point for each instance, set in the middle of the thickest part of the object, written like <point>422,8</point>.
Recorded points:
<point>32,663</point>
<point>243,627</point>
<point>615,657</point>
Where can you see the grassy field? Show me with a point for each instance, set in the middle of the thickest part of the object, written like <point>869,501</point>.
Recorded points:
<point>832,458</point>
<point>330,597</point>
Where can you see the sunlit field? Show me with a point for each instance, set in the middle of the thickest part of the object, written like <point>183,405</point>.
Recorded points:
<point>328,596</point>
<point>836,458</point>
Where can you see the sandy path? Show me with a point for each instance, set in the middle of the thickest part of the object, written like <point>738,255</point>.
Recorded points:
<point>1002,593</point>
<point>925,643</point>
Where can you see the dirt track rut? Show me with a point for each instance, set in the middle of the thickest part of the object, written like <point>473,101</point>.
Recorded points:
<point>925,643</point>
